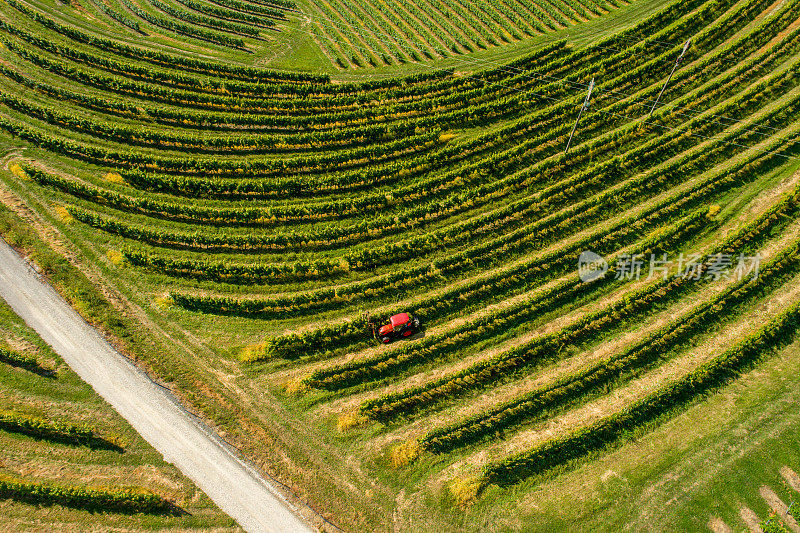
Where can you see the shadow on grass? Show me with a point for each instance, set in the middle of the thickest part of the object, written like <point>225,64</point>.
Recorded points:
<point>92,500</point>
<point>26,363</point>
<point>70,438</point>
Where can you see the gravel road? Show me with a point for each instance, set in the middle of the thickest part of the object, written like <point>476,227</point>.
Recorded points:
<point>236,487</point>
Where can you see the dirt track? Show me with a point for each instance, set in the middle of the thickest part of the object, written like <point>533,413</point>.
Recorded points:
<point>236,487</point>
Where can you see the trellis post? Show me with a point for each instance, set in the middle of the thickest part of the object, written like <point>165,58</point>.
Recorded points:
<point>583,108</point>
<point>677,62</point>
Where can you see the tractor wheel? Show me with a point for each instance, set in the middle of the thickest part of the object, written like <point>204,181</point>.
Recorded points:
<point>386,339</point>
<point>408,333</point>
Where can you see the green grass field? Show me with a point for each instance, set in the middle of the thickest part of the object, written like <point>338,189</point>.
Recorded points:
<point>233,189</point>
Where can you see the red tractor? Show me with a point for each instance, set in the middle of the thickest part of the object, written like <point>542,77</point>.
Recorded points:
<point>400,325</point>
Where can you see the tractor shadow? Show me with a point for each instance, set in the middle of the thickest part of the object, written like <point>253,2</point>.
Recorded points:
<point>418,335</point>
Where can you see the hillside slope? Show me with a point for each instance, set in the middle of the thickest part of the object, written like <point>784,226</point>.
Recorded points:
<point>251,222</point>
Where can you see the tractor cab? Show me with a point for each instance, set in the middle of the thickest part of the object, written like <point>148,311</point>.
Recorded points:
<point>400,325</point>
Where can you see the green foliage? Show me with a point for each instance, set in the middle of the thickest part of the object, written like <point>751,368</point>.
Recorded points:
<point>13,358</point>
<point>705,378</point>
<point>95,500</point>
<point>262,195</point>
<point>406,401</point>
<point>77,288</point>
<point>55,431</point>
<point>607,371</point>
<point>773,525</point>
<point>161,58</point>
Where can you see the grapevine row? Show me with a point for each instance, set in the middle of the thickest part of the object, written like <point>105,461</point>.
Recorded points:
<point>95,500</point>
<point>705,378</point>
<point>647,352</point>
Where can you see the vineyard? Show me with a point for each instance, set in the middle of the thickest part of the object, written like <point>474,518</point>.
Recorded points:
<point>363,34</point>
<point>66,451</point>
<point>254,220</point>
